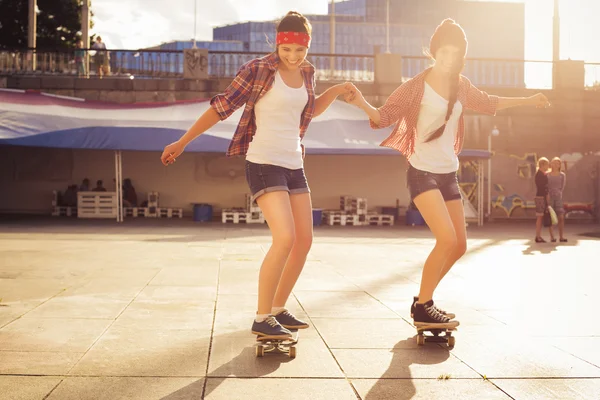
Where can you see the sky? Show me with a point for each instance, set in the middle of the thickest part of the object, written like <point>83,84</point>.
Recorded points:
<point>133,24</point>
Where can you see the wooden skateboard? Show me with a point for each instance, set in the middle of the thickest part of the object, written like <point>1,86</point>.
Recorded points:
<point>436,336</point>
<point>278,346</point>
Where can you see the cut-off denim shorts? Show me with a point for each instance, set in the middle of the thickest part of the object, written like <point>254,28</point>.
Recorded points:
<point>265,178</point>
<point>422,181</point>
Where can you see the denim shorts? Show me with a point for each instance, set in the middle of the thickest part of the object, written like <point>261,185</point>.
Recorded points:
<point>265,178</point>
<point>422,181</point>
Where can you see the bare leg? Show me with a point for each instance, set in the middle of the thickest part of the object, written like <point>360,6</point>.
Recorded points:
<point>538,226</point>
<point>302,212</point>
<point>278,213</point>
<point>457,215</point>
<point>433,209</point>
<point>561,226</point>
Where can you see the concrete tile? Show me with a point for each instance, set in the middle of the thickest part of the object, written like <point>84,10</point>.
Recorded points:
<point>503,354</point>
<point>272,389</point>
<point>365,333</point>
<point>107,288</point>
<point>37,363</point>
<point>203,276</point>
<point>54,334</point>
<point>343,305</point>
<point>426,362</point>
<point>32,291</point>
<point>79,307</point>
<point>550,389</point>
<point>427,389</point>
<point>139,352</point>
<point>178,293</point>
<point>109,388</point>
<point>27,387</point>
<point>235,356</point>
<point>586,348</point>
<point>168,315</point>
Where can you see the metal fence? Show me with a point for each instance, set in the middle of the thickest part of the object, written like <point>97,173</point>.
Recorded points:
<point>222,64</point>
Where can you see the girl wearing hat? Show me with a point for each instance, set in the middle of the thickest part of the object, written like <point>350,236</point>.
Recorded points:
<point>427,112</point>
<point>278,95</point>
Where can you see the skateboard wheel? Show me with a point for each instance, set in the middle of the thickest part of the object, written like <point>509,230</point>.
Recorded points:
<point>451,341</point>
<point>420,340</point>
<point>260,351</point>
<point>292,352</point>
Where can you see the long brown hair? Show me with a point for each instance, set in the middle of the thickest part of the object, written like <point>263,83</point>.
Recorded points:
<point>448,33</point>
<point>294,22</point>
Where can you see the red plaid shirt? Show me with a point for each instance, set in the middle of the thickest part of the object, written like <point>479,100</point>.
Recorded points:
<point>253,80</point>
<point>403,106</point>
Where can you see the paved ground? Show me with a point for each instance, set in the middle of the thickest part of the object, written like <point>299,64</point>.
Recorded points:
<point>162,310</point>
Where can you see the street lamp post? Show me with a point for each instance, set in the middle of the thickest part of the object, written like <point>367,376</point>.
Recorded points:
<point>32,32</point>
<point>387,27</point>
<point>495,132</point>
<point>195,20</point>
<point>332,38</point>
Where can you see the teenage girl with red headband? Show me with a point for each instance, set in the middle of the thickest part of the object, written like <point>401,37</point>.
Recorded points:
<point>278,95</point>
<point>427,112</point>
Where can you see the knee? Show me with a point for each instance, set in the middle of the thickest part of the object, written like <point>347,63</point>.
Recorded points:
<point>461,248</point>
<point>447,241</point>
<point>303,243</point>
<point>284,241</point>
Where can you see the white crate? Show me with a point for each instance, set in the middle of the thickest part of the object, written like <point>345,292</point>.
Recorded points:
<point>353,205</point>
<point>233,215</point>
<point>333,212</point>
<point>238,215</point>
<point>255,218</point>
<point>153,199</point>
<point>60,211</point>
<point>134,211</point>
<point>380,219</point>
<point>170,212</point>
<point>251,206</point>
<point>341,219</point>
<point>97,205</point>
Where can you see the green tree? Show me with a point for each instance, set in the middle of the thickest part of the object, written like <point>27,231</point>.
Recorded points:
<point>58,23</point>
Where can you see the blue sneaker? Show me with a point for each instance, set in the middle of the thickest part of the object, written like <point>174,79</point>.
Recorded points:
<point>289,321</point>
<point>444,313</point>
<point>270,328</point>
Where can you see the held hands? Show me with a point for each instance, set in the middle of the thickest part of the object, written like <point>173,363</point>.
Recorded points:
<point>171,152</point>
<point>538,100</point>
<point>352,95</point>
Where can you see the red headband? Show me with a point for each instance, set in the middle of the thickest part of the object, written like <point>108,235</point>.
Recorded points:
<point>293,38</point>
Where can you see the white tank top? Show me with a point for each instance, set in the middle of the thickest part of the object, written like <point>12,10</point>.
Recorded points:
<point>277,137</point>
<point>438,155</point>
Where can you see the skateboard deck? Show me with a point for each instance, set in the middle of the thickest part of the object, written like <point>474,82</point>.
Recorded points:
<point>436,335</point>
<point>277,346</point>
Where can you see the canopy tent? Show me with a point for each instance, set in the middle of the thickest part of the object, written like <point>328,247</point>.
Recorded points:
<point>43,120</point>
<point>34,119</point>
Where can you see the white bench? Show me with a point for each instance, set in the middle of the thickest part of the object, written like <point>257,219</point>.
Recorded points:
<point>97,205</point>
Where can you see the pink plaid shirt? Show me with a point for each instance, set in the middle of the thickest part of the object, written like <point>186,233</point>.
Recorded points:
<point>253,80</point>
<point>403,106</point>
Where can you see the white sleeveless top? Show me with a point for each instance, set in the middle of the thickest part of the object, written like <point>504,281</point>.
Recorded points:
<point>277,137</point>
<point>438,155</point>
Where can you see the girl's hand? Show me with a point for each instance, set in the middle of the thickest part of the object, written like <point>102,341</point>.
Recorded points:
<point>171,152</point>
<point>353,95</point>
<point>539,101</point>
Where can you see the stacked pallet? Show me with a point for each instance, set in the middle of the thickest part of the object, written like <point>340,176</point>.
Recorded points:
<point>59,211</point>
<point>354,211</point>
<point>251,214</point>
